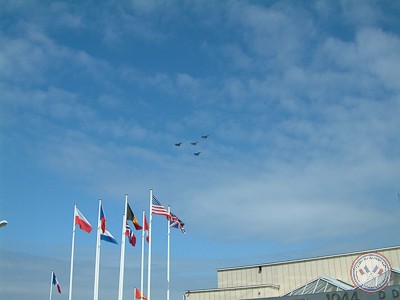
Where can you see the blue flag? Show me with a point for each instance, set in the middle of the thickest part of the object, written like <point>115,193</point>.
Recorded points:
<point>107,236</point>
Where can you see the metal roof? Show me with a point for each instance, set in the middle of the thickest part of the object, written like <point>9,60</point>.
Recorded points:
<point>324,284</point>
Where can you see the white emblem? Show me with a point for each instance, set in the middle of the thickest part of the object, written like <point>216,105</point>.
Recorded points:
<point>371,272</point>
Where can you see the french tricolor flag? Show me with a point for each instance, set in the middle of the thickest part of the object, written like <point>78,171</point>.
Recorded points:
<point>81,221</point>
<point>56,283</point>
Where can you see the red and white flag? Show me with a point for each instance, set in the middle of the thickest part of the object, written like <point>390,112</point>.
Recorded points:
<point>146,229</point>
<point>139,295</point>
<point>82,221</point>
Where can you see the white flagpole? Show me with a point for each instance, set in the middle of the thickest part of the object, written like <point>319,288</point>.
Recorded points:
<point>142,264</point>
<point>97,263</point>
<point>150,242</point>
<point>168,250</point>
<point>122,261</point>
<point>51,284</point>
<point>72,256</point>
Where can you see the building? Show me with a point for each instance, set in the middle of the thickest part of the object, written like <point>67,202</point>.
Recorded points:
<point>319,275</point>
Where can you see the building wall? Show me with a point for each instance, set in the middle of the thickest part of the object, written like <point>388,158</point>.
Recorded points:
<point>280,278</point>
<point>230,294</point>
<point>292,274</point>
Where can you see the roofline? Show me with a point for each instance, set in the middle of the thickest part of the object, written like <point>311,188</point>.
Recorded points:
<point>273,286</point>
<point>305,259</point>
<point>234,288</point>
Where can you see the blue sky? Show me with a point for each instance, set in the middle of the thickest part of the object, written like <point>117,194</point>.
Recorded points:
<point>301,101</point>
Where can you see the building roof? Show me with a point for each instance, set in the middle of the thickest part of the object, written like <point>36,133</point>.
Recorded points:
<point>325,284</point>
<point>305,259</point>
<point>321,284</point>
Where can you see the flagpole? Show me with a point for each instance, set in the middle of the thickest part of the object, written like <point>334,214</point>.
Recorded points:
<point>142,263</point>
<point>51,284</point>
<point>72,256</point>
<point>122,261</point>
<point>168,250</point>
<point>97,263</point>
<point>150,242</point>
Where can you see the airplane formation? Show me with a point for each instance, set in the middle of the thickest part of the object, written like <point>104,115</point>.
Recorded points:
<point>194,144</point>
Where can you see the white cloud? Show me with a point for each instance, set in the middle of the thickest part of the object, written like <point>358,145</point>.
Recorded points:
<point>269,204</point>
<point>360,13</point>
<point>298,133</point>
<point>373,52</point>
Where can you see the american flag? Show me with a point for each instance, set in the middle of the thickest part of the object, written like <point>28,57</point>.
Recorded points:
<point>157,208</point>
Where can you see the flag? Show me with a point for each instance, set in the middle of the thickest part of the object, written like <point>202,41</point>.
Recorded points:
<point>56,283</point>
<point>146,228</point>
<point>102,219</point>
<point>131,216</point>
<point>81,221</point>
<point>130,235</point>
<point>157,208</point>
<point>176,223</point>
<point>138,295</point>
<point>107,236</point>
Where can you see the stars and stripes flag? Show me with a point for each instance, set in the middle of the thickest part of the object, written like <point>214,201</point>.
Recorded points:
<point>157,208</point>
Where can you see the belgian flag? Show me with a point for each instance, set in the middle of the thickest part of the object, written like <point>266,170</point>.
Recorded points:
<point>131,216</point>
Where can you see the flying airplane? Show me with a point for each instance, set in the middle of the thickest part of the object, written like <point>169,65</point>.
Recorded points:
<point>178,144</point>
<point>194,143</point>
<point>205,136</point>
<point>197,153</point>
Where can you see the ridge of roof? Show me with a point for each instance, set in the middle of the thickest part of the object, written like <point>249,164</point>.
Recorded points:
<point>305,259</point>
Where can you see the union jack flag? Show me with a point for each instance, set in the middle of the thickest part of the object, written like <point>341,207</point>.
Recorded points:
<point>177,223</point>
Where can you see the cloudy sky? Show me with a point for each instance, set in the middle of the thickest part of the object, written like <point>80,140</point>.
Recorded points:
<point>300,99</point>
